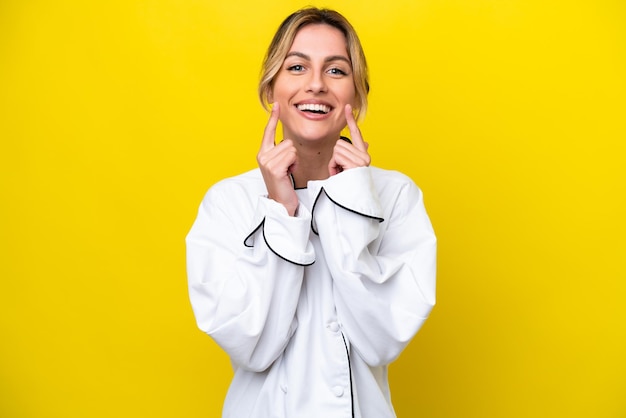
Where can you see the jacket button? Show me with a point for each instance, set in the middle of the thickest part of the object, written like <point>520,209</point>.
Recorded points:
<point>338,391</point>
<point>333,326</point>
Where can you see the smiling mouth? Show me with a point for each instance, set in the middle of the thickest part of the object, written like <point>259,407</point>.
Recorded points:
<point>319,109</point>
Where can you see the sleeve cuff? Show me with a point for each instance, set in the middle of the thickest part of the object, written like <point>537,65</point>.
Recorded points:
<point>354,191</point>
<point>286,236</point>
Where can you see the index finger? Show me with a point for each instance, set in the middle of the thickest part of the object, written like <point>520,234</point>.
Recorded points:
<point>270,129</point>
<point>355,132</point>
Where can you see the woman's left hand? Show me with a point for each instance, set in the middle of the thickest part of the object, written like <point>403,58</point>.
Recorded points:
<point>346,155</point>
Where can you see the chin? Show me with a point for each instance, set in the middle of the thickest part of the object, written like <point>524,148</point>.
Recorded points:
<point>317,136</point>
<point>314,134</point>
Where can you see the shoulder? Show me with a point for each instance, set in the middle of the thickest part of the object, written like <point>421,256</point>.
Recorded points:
<point>248,179</point>
<point>245,186</point>
<point>396,190</point>
<point>384,178</point>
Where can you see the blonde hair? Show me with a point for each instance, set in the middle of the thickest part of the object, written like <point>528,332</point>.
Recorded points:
<point>287,31</point>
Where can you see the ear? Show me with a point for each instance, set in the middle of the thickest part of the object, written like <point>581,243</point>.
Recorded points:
<point>270,95</point>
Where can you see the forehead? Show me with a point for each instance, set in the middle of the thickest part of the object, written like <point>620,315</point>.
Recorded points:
<point>321,39</point>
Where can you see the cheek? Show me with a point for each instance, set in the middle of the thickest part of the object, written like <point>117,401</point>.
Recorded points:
<point>350,95</point>
<point>280,96</point>
<point>280,91</point>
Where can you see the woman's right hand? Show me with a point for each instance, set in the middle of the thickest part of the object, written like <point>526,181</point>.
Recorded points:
<point>276,163</point>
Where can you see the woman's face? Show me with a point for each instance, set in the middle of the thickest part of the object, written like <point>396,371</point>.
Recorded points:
<point>314,85</point>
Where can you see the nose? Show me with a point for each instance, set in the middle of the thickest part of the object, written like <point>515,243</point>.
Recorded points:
<point>316,83</point>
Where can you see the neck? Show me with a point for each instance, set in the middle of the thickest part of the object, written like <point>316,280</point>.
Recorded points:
<point>312,161</point>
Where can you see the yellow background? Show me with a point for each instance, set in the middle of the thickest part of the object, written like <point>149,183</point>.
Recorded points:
<point>116,116</point>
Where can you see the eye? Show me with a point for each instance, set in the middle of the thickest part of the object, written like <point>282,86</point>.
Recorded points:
<point>295,68</point>
<point>337,71</point>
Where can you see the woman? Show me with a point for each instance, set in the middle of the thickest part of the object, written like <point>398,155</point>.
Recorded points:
<point>314,271</point>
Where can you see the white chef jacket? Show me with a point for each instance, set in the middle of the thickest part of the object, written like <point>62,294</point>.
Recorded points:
<point>312,308</point>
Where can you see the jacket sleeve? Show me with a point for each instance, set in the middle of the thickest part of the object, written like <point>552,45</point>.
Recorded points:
<point>244,294</point>
<point>382,260</point>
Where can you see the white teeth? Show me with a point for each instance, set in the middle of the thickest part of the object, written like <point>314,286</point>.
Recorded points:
<point>314,107</point>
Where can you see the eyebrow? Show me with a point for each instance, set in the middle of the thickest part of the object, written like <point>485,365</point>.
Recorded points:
<point>327,59</point>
